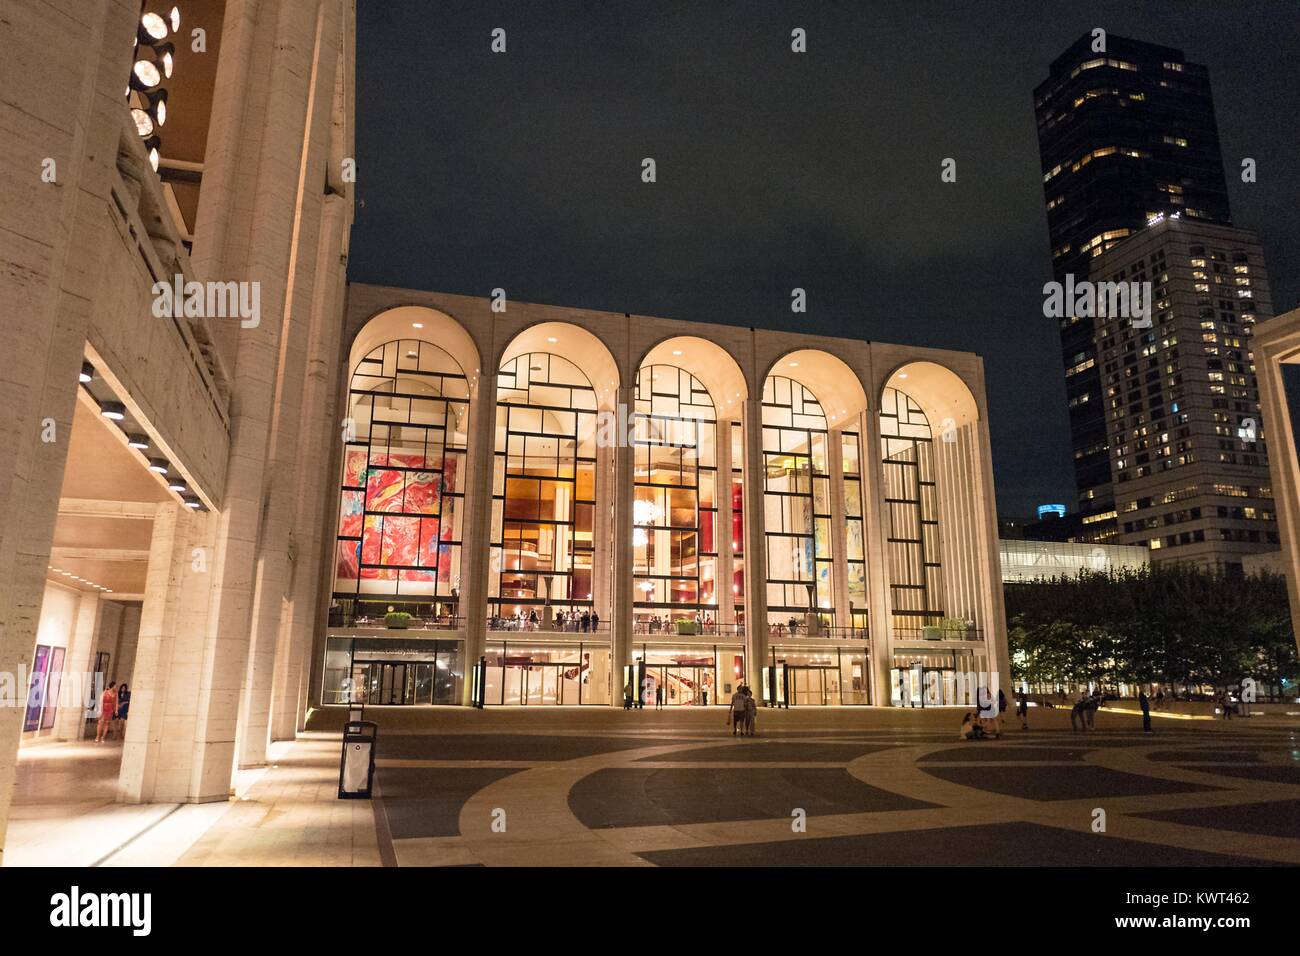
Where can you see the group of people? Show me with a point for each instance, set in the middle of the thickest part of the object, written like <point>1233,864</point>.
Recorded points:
<point>585,623</point>
<point>114,704</point>
<point>1083,715</point>
<point>656,624</point>
<point>743,710</point>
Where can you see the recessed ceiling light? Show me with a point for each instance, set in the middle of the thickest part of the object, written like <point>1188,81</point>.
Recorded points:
<point>178,484</point>
<point>192,502</point>
<point>902,375</point>
<point>677,351</point>
<point>114,410</point>
<point>87,372</point>
<point>417,325</point>
<point>138,441</point>
<point>159,465</point>
<point>794,364</point>
<point>552,339</point>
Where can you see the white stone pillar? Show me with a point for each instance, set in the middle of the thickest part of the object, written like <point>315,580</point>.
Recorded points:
<point>623,495</point>
<point>70,721</point>
<point>756,628</point>
<point>475,558</point>
<point>839,528</point>
<point>722,537</point>
<point>875,533</point>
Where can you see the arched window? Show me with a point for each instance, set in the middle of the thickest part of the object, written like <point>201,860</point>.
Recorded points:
<point>674,514</point>
<point>544,487</point>
<point>911,506</point>
<point>403,480</point>
<point>796,501</point>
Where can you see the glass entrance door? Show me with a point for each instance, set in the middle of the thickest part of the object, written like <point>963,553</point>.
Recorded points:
<point>815,686</point>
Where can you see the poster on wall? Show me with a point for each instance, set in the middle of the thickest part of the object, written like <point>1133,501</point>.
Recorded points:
<point>36,692</point>
<point>52,685</point>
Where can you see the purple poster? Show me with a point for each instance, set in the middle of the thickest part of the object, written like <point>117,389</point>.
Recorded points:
<point>36,693</point>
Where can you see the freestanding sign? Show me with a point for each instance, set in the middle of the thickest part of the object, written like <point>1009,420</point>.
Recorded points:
<point>357,764</point>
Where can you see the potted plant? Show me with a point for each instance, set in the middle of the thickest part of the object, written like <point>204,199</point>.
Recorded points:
<point>954,629</point>
<point>396,619</point>
<point>685,628</point>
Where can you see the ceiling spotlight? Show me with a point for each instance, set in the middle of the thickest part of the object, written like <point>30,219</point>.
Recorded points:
<point>87,372</point>
<point>417,325</point>
<point>152,28</point>
<point>145,75</point>
<point>175,18</point>
<point>152,144</point>
<point>143,122</point>
<point>552,339</point>
<point>159,465</point>
<point>178,485</point>
<point>902,375</point>
<point>138,441</point>
<point>193,503</point>
<point>794,364</point>
<point>114,410</point>
<point>677,351</point>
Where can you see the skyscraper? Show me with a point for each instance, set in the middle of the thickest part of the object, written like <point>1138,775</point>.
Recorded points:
<point>1126,131</point>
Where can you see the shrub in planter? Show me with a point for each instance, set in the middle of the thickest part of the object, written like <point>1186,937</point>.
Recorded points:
<point>686,628</point>
<point>397,619</point>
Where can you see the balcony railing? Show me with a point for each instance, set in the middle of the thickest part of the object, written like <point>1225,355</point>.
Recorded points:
<point>528,625</point>
<point>938,635</point>
<point>406,616</point>
<point>687,629</point>
<point>801,630</point>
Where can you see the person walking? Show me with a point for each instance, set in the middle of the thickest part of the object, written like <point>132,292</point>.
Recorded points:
<point>659,697</point>
<point>736,711</point>
<point>1002,708</point>
<point>751,712</point>
<point>123,707</point>
<point>1022,709</point>
<point>627,696</point>
<point>1145,703</point>
<point>107,710</point>
<point>1078,719</point>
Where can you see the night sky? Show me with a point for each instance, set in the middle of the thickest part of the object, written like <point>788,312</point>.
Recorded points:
<point>776,170</point>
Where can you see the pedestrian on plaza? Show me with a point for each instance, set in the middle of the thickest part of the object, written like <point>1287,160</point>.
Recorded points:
<point>751,712</point>
<point>1145,703</point>
<point>1078,719</point>
<point>659,697</point>
<point>1226,704</point>
<point>107,709</point>
<point>627,696</point>
<point>123,706</point>
<point>645,692</point>
<point>736,711</point>
<point>1002,708</point>
<point>1022,709</point>
<point>1090,706</point>
<point>1160,698</point>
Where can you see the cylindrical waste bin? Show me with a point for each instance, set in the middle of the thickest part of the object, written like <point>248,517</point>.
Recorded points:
<point>357,765</point>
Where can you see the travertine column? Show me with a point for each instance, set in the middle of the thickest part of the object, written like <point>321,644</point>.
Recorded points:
<point>602,529</point>
<point>277,548</point>
<point>876,531</point>
<point>476,550</point>
<point>70,721</point>
<point>55,72</point>
<point>756,632</point>
<point>621,585</point>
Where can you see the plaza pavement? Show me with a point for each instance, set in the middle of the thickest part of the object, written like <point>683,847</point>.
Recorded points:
<point>604,787</point>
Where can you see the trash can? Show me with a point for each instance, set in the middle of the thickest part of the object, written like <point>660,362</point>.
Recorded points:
<point>357,765</point>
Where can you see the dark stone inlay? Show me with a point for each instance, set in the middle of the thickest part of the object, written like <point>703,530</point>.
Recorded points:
<point>508,746</point>
<point>785,751</point>
<point>1270,773</point>
<point>619,797</point>
<point>1180,756</point>
<point>1279,818</point>
<point>976,751</point>
<point>426,801</point>
<point>1061,783</point>
<point>1001,844</point>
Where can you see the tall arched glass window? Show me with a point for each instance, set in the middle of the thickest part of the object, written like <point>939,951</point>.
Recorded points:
<point>796,501</point>
<point>403,483</point>
<point>674,517</point>
<point>911,506</point>
<point>543,488</point>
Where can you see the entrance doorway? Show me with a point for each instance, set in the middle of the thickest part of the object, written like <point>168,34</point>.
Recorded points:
<point>684,685</point>
<point>814,686</point>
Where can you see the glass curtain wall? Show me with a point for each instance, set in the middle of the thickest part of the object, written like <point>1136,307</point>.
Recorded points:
<point>912,515</point>
<point>674,513</point>
<point>855,551</point>
<point>403,484</point>
<point>797,504</point>
<point>543,492</point>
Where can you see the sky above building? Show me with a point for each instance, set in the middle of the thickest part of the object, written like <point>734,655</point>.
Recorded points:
<point>776,170</point>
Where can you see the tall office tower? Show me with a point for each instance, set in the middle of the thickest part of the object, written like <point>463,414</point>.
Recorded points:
<point>1188,459</point>
<point>1124,134</point>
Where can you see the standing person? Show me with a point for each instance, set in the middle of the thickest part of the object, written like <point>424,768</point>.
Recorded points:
<point>645,690</point>
<point>107,710</point>
<point>1227,705</point>
<point>736,711</point>
<point>1022,709</point>
<point>751,712</point>
<point>595,621</point>
<point>1090,705</point>
<point>123,706</point>
<point>1002,708</point>
<point>1078,720</point>
<point>627,696</point>
<point>659,697</point>
<point>1160,698</point>
<point>1145,703</point>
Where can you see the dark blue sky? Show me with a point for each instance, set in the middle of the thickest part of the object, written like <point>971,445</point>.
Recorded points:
<point>779,170</point>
